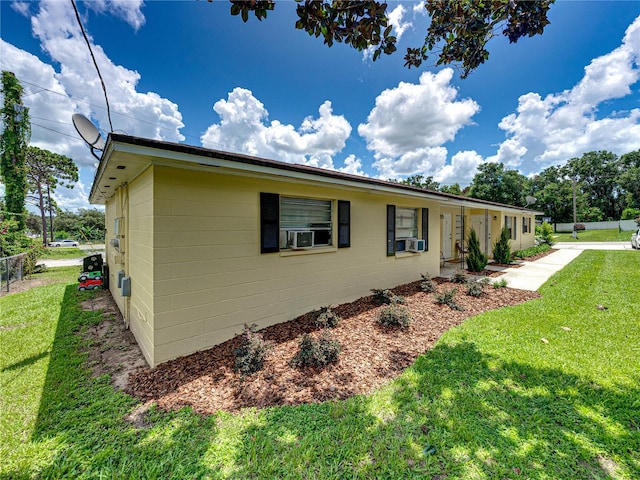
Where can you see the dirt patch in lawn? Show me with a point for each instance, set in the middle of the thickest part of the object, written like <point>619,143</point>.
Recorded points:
<point>371,356</point>
<point>113,349</point>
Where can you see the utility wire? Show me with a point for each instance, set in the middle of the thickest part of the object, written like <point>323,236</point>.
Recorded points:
<point>95,63</point>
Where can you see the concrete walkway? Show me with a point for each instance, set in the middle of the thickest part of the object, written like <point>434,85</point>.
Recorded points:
<point>531,275</point>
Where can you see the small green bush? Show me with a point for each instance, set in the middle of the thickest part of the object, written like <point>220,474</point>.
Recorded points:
<point>544,233</point>
<point>387,297</point>
<point>460,277</point>
<point>316,352</point>
<point>499,283</point>
<point>427,284</point>
<point>532,251</point>
<point>447,298</point>
<point>485,281</point>
<point>502,248</point>
<point>475,289</point>
<point>251,353</point>
<point>394,316</point>
<point>326,318</point>
<point>476,259</point>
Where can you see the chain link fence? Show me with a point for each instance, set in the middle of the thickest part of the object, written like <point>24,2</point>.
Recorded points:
<point>12,269</point>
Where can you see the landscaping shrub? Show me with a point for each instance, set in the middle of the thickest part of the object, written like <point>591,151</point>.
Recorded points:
<point>326,318</point>
<point>476,259</point>
<point>544,233</point>
<point>447,298</point>
<point>499,283</point>
<point>316,352</point>
<point>485,281</point>
<point>502,248</point>
<point>427,284</point>
<point>251,353</point>
<point>460,277</point>
<point>532,251</point>
<point>387,297</point>
<point>475,289</point>
<point>394,316</point>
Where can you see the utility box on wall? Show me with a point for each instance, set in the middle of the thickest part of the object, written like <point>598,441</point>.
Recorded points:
<point>126,286</point>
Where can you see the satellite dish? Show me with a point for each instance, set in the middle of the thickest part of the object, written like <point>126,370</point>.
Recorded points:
<point>530,200</point>
<point>89,133</point>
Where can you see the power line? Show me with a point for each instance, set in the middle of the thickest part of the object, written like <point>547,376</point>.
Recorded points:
<point>95,63</point>
<point>101,108</point>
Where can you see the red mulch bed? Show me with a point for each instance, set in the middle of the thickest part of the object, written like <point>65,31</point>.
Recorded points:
<point>371,356</point>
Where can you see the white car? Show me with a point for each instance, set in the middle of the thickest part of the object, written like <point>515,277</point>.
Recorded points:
<point>64,243</point>
<point>635,239</point>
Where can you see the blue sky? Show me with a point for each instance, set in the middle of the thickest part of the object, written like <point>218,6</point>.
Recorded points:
<point>187,71</point>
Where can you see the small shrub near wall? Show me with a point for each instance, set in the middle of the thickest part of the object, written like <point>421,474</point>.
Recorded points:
<point>253,350</point>
<point>326,318</point>
<point>316,352</point>
<point>448,298</point>
<point>427,284</point>
<point>394,316</point>
<point>387,297</point>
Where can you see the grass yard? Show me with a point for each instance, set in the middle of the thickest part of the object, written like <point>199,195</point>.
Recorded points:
<point>57,253</point>
<point>546,390</point>
<point>594,236</point>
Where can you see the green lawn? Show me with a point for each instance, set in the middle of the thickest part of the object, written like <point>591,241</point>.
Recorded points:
<point>594,236</point>
<point>56,253</point>
<point>491,400</point>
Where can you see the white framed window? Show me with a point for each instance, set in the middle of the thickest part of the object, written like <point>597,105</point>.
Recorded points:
<point>406,226</point>
<point>526,224</point>
<point>305,223</point>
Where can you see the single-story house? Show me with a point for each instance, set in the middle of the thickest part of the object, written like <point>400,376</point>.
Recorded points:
<point>200,242</point>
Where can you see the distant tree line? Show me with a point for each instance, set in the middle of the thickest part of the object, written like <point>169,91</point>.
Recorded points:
<point>607,187</point>
<point>86,225</point>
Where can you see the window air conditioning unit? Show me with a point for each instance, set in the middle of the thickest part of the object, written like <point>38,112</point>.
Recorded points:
<point>415,245</point>
<point>300,239</point>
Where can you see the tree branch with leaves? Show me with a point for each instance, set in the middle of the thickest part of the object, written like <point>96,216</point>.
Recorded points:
<point>457,34</point>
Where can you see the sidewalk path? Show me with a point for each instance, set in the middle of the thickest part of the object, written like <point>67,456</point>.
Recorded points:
<point>531,275</point>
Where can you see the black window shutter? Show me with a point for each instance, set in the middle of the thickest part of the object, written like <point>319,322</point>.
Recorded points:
<point>344,223</point>
<point>425,228</point>
<point>391,230</point>
<point>269,222</point>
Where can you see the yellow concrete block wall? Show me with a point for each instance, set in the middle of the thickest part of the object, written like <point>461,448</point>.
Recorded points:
<point>210,277</point>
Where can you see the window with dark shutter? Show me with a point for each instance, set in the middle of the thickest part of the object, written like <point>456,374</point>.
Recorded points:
<point>425,228</point>
<point>391,230</point>
<point>344,223</point>
<point>269,222</point>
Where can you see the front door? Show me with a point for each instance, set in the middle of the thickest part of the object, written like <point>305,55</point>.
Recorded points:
<point>478,223</point>
<point>446,235</point>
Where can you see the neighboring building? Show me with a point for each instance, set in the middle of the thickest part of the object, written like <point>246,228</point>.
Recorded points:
<point>200,242</point>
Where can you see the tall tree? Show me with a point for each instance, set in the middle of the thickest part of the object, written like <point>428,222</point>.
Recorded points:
<point>554,194</point>
<point>597,175</point>
<point>495,183</point>
<point>45,171</point>
<point>13,144</point>
<point>453,189</point>
<point>426,183</point>
<point>630,178</point>
<point>457,34</point>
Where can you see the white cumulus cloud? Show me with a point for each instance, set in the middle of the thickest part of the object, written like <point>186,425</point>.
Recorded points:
<point>244,127</point>
<point>410,123</point>
<point>53,92</point>
<point>553,129</point>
